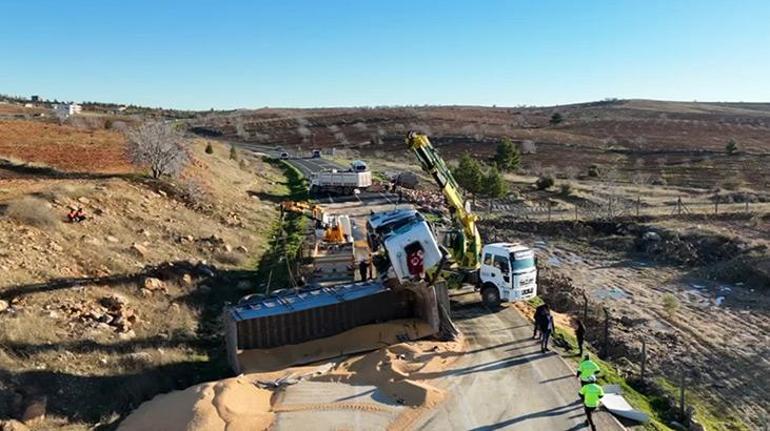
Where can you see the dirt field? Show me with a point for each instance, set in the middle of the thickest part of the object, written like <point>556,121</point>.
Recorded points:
<point>99,316</point>
<point>715,325</point>
<point>63,147</point>
<point>679,143</point>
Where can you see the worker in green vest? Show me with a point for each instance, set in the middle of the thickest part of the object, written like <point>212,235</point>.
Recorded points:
<point>591,393</point>
<point>587,370</point>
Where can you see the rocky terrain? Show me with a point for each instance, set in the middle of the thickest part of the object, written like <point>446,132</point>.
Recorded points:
<point>125,304</point>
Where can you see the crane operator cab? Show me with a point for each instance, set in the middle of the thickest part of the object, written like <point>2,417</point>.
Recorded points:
<point>508,273</point>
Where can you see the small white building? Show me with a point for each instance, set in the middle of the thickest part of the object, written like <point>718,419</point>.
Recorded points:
<point>66,110</point>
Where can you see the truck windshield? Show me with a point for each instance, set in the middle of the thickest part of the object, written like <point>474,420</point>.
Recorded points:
<point>521,264</point>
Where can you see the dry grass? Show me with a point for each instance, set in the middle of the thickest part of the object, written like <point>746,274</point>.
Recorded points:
<point>34,212</point>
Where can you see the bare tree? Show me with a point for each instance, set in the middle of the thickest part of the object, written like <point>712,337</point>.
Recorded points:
<point>240,128</point>
<point>159,146</point>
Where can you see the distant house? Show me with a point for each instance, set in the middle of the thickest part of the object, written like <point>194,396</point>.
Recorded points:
<point>66,110</point>
<point>34,98</point>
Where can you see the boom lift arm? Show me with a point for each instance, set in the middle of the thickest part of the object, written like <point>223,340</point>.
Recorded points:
<point>466,246</point>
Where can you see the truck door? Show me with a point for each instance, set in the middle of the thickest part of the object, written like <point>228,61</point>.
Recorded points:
<point>504,268</point>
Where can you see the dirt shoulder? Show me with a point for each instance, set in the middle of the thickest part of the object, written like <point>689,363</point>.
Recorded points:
<point>101,315</point>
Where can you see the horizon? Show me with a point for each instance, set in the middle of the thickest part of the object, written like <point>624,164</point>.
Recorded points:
<point>242,55</point>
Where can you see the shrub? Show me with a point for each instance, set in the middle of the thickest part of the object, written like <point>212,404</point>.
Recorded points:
<point>556,118</point>
<point>593,171</point>
<point>233,153</point>
<point>229,258</point>
<point>507,156</point>
<point>670,304</point>
<point>565,189</point>
<point>732,147</point>
<point>544,182</point>
<point>32,211</point>
<point>209,148</point>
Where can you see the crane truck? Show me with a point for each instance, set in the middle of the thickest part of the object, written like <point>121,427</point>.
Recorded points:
<point>501,271</point>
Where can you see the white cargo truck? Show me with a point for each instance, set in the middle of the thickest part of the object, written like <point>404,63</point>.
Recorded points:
<point>357,177</point>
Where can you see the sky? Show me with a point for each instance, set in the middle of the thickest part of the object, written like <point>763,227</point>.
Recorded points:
<point>283,53</point>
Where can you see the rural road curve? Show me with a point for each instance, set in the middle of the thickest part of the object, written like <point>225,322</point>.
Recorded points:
<point>502,381</point>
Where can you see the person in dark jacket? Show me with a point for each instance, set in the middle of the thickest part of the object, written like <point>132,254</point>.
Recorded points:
<point>546,330</point>
<point>580,334</point>
<point>363,269</point>
<point>538,315</point>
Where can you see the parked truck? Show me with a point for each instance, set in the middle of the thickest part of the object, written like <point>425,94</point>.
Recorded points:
<point>357,177</point>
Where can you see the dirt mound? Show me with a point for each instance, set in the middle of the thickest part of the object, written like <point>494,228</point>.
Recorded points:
<point>231,404</point>
<point>397,371</point>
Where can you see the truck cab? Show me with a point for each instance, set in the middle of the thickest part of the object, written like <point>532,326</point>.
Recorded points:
<point>508,273</point>
<point>316,154</point>
<point>358,166</point>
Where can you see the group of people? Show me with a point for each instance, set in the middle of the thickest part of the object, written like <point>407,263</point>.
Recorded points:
<point>590,392</point>
<point>76,216</point>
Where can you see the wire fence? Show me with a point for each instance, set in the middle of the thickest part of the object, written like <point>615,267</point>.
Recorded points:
<point>548,210</point>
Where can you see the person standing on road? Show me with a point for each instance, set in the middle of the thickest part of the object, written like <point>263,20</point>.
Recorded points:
<point>538,316</point>
<point>363,269</point>
<point>587,370</point>
<point>591,394</point>
<point>547,330</point>
<point>580,333</point>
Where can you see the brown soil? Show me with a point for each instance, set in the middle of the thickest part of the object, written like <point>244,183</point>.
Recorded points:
<point>64,147</point>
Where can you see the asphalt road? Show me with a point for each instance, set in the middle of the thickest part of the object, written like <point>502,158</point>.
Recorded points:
<point>502,381</point>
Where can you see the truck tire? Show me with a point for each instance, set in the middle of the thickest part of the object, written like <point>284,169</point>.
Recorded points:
<point>490,295</point>
<point>313,190</point>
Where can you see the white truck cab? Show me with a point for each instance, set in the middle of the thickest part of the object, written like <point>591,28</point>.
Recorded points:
<point>507,273</point>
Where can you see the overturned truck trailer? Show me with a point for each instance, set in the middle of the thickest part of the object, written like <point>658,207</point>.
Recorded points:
<point>309,325</point>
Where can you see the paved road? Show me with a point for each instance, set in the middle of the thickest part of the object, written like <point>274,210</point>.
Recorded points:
<point>503,381</point>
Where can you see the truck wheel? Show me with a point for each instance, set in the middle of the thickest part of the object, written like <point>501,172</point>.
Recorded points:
<point>313,190</point>
<point>490,295</point>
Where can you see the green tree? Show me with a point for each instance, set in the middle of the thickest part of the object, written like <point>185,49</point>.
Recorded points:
<point>468,174</point>
<point>233,153</point>
<point>493,185</point>
<point>209,148</point>
<point>556,118</point>
<point>732,147</point>
<point>507,156</point>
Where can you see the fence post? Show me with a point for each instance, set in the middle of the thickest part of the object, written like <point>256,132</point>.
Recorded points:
<point>747,206</point>
<point>644,360</point>
<point>549,210</point>
<point>606,346</point>
<point>681,397</point>
<point>679,206</point>
<point>576,212</point>
<point>585,307</point>
<point>716,205</point>
<point>638,204</point>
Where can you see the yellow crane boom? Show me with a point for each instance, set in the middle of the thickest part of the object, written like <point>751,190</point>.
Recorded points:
<point>465,243</point>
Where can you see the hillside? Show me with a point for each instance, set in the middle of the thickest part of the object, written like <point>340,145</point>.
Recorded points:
<point>101,315</point>
<point>681,143</point>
